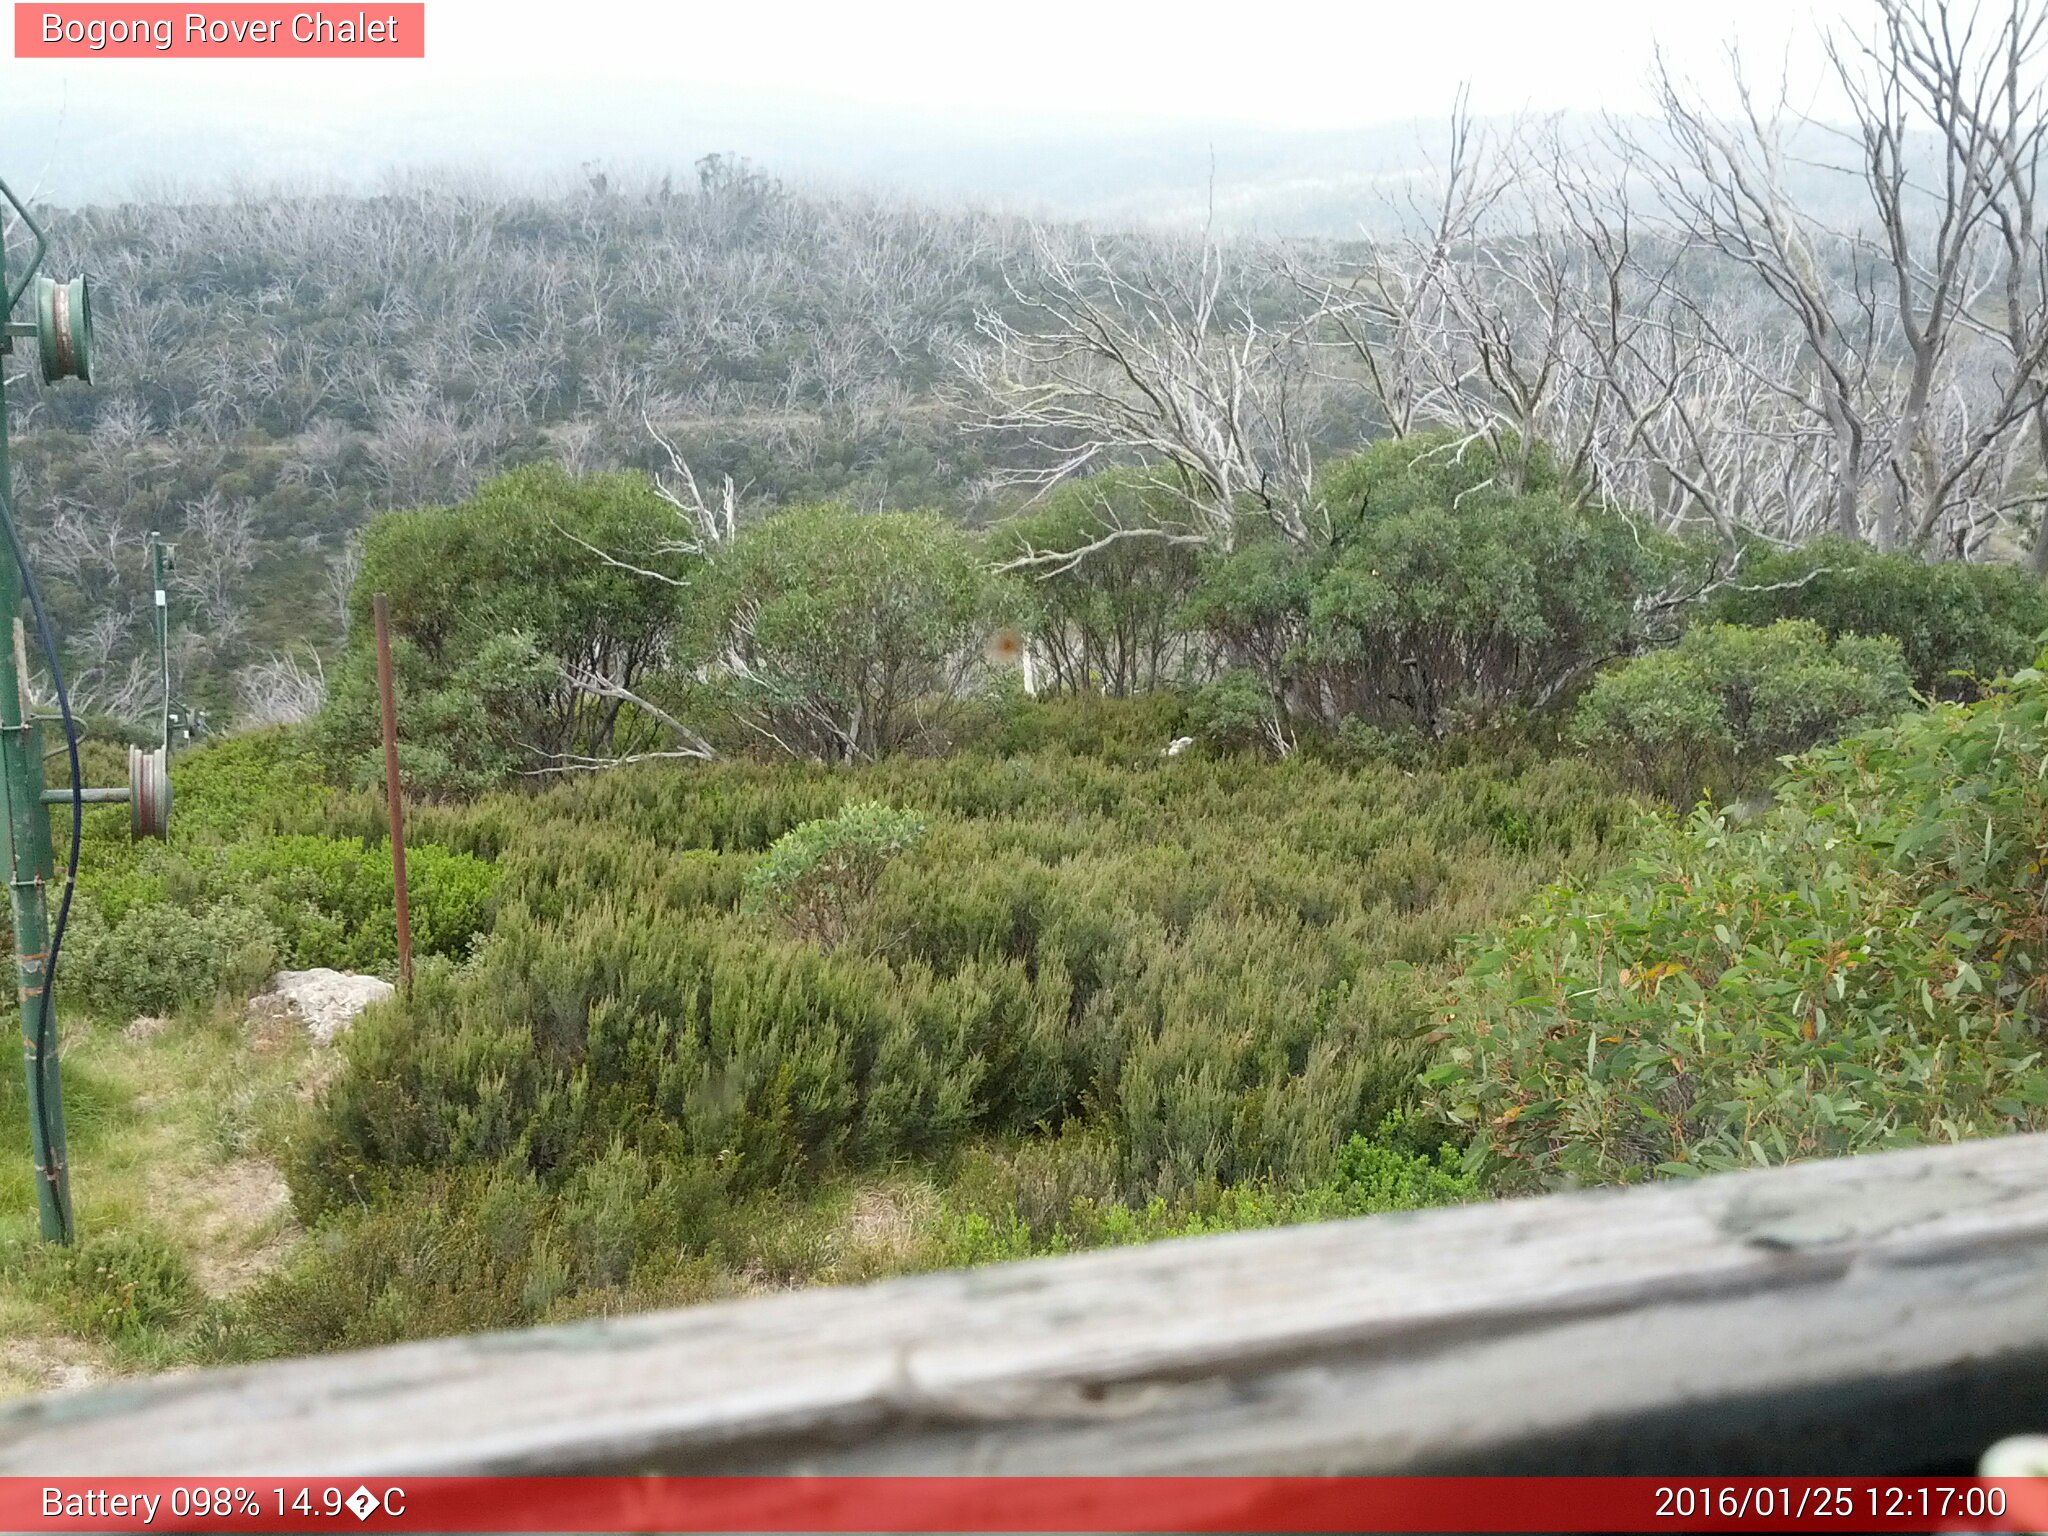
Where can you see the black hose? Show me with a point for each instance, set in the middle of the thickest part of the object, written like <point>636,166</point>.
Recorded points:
<point>45,1016</point>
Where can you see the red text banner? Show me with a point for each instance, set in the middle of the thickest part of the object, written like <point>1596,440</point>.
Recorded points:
<point>222,31</point>
<point>1016,1504</point>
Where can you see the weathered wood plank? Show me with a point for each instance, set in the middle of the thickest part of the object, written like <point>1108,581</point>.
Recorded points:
<point>1877,1313</point>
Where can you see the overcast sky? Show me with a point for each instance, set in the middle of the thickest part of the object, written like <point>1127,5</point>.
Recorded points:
<point>644,82</point>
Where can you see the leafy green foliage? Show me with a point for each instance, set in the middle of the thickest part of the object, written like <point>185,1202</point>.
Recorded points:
<point>1254,604</point>
<point>246,885</point>
<point>183,925</point>
<point>242,786</point>
<point>157,958</point>
<point>462,728</point>
<point>331,898</point>
<point>1458,598</point>
<point>1728,700</point>
<point>1024,1204</point>
<point>474,1251</point>
<point>850,629</point>
<point>1108,621</point>
<point>1125,732</point>
<point>1234,713</point>
<point>1440,599</point>
<point>1958,625</point>
<point>819,878</point>
<point>1859,968</point>
<point>493,602</point>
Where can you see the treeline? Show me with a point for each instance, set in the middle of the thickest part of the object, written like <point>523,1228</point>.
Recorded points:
<point>1652,318</point>
<point>274,369</point>
<point>553,624</point>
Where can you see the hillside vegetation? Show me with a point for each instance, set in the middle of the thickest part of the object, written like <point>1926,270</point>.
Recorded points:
<point>1069,992</point>
<point>1104,995</point>
<point>1078,737</point>
<point>770,934</point>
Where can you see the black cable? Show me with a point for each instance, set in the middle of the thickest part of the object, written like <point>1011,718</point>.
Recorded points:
<point>45,1015</point>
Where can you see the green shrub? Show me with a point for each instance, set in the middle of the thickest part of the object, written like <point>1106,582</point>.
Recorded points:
<point>1253,605</point>
<point>1052,1196</point>
<point>819,878</point>
<point>1130,733</point>
<point>602,1216</point>
<point>157,959</point>
<point>1207,967</point>
<point>492,603</point>
<point>331,898</point>
<point>180,925</point>
<point>249,785</point>
<point>1108,622</point>
<point>850,629</point>
<point>1234,714</point>
<point>1958,625</point>
<point>1358,742</point>
<point>1448,598</point>
<point>114,1285</point>
<point>456,1253</point>
<point>1433,596</point>
<point>1730,700</point>
<point>1860,967</point>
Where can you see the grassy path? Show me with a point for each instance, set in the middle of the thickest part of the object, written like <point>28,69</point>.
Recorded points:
<point>174,1128</point>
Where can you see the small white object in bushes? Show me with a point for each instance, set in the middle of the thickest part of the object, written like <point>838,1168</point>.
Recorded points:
<point>326,1001</point>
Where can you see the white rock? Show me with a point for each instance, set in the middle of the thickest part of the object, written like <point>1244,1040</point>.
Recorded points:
<point>328,1001</point>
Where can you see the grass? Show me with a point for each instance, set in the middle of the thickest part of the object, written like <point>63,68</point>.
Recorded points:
<point>175,1132</point>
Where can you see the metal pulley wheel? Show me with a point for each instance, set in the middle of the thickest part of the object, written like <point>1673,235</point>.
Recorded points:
<point>149,793</point>
<point>64,329</point>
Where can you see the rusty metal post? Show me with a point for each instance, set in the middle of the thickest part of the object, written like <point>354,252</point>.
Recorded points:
<point>394,797</point>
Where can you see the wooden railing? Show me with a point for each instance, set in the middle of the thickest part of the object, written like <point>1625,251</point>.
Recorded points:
<point>1883,1313</point>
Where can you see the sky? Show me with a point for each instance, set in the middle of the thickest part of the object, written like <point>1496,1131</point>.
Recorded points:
<point>508,84</point>
<point>1276,63</point>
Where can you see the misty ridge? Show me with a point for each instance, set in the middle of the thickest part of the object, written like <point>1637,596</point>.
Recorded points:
<point>279,362</point>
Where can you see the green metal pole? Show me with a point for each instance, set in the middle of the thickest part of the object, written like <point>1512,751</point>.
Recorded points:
<point>163,637</point>
<point>30,872</point>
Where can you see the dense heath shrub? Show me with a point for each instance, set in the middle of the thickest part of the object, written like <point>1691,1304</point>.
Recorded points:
<point>818,879</point>
<point>158,958</point>
<point>1370,1179</point>
<point>1123,732</point>
<point>330,898</point>
<point>1728,701</point>
<point>1958,625</point>
<point>1860,967</point>
<point>1252,605</point>
<point>1126,997</point>
<point>463,1252</point>
<point>849,630</point>
<point>183,924</point>
<point>1217,968</point>
<point>1235,713</point>
<point>110,1285</point>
